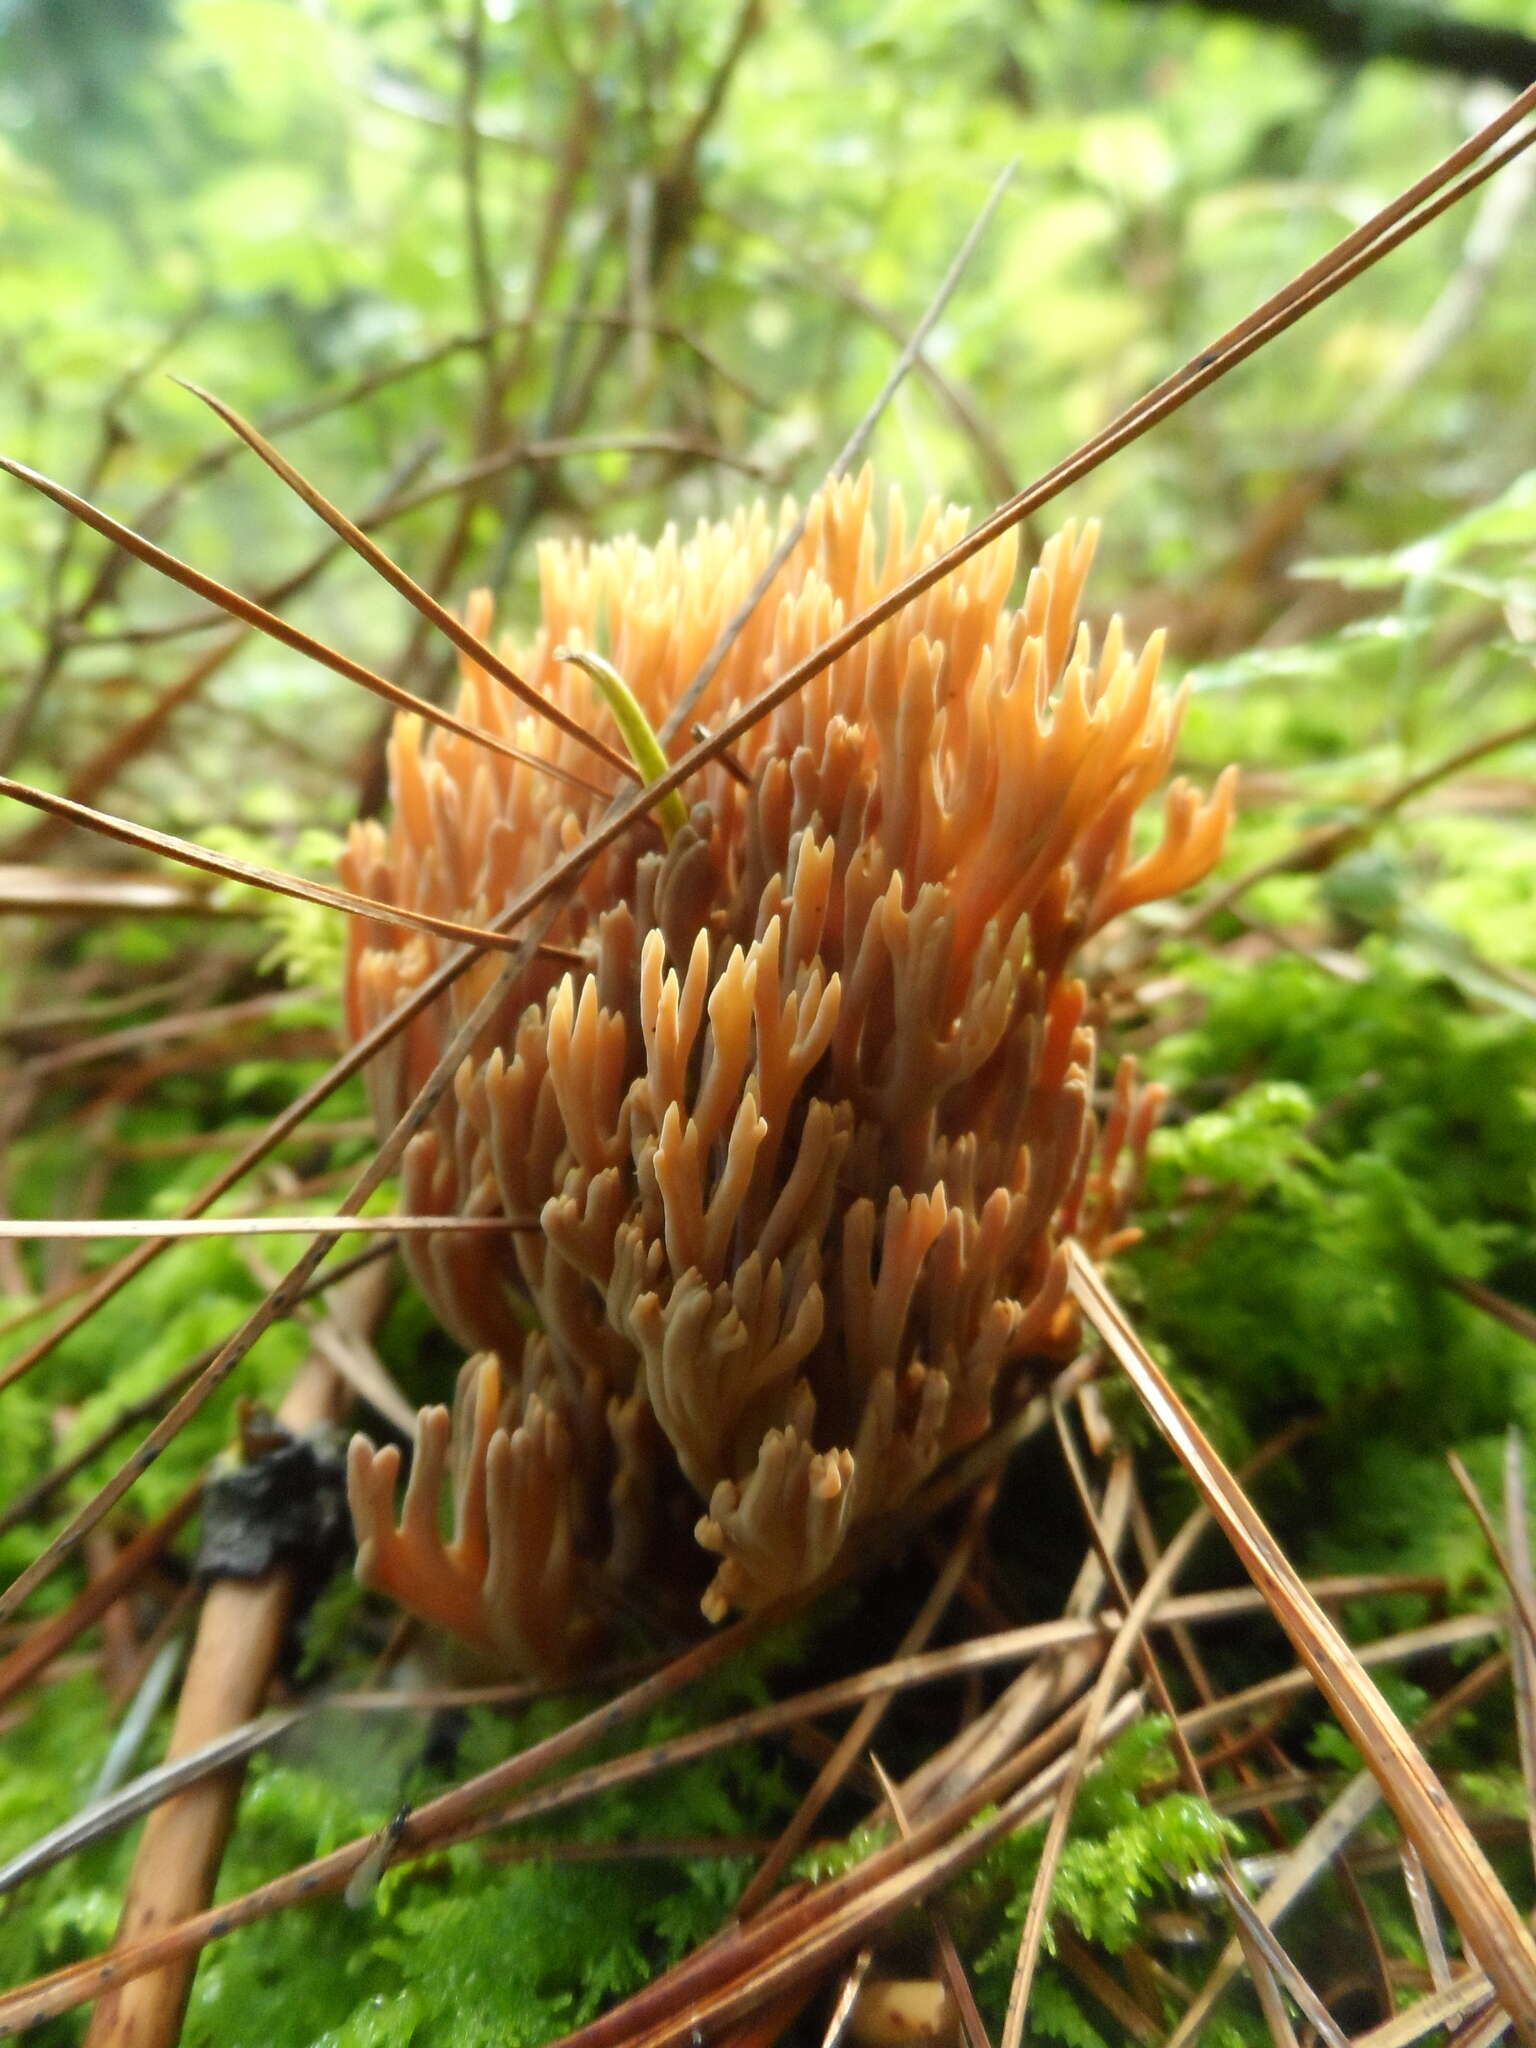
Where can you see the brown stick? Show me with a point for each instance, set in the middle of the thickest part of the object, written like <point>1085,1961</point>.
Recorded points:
<point>239,1636</point>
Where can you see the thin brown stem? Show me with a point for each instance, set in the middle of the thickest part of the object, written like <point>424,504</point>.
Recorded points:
<point>91,1230</point>
<point>56,1634</point>
<point>240,1631</point>
<point>1519,1593</point>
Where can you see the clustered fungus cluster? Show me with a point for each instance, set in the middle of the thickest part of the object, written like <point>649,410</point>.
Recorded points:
<point>806,1132</point>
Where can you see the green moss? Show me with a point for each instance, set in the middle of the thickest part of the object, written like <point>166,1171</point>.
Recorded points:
<point>463,1948</point>
<point>1368,1144</point>
<point>1128,1845</point>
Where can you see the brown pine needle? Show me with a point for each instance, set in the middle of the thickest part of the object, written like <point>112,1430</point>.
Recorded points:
<point>470,1809</point>
<point>479,652</point>
<point>1267,1960</point>
<point>719,1983</point>
<point>290,1120</point>
<point>1522,1650</point>
<point>90,1229</point>
<point>281,1298</point>
<point>1135,1618</point>
<point>284,1125</point>
<point>1469,1994</point>
<point>788,1945</point>
<point>253,614</point>
<point>77,1983</point>
<point>232,869</point>
<point>880,1682</point>
<point>1524,1606</point>
<point>55,1634</point>
<point>971,2021</point>
<point>1493,1930</point>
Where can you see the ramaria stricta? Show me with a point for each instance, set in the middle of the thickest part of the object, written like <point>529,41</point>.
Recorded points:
<point>806,1134</point>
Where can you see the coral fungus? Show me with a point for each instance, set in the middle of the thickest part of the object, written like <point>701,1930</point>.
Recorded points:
<point>806,1134</point>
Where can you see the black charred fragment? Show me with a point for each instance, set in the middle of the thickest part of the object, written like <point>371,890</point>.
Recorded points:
<point>285,1506</point>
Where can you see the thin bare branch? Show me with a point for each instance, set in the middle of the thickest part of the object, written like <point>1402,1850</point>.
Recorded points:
<point>1482,2030</point>
<point>1403,1648</point>
<point>110,440</point>
<point>992,461</point>
<point>487,295</point>
<point>853,447</point>
<point>1320,849</point>
<point>1504,1311</point>
<point>218,1019</point>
